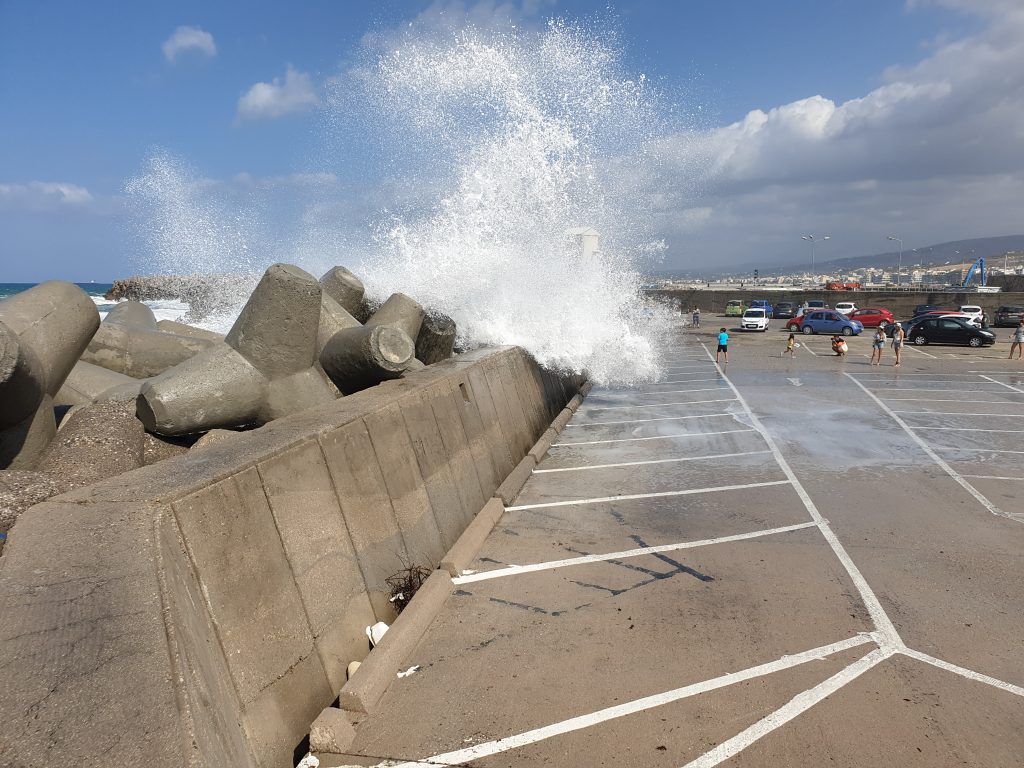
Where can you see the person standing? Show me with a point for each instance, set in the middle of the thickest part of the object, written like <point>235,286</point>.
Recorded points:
<point>696,317</point>
<point>723,345</point>
<point>877,346</point>
<point>898,335</point>
<point>1017,340</point>
<point>790,345</point>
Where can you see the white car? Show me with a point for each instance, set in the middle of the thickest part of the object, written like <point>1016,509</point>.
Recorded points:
<point>845,307</point>
<point>974,311</point>
<point>755,319</point>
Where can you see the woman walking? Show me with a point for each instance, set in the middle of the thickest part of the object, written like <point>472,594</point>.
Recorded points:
<point>877,345</point>
<point>1017,340</point>
<point>898,335</point>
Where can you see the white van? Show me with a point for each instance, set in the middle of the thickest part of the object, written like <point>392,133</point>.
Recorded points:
<point>754,319</point>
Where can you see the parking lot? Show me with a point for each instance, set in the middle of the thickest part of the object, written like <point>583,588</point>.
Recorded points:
<point>772,563</point>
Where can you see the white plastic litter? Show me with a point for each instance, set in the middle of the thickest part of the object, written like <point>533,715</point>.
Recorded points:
<point>410,671</point>
<point>467,572</point>
<point>376,632</point>
<point>352,667</point>
<point>399,596</point>
<point>308,762</point>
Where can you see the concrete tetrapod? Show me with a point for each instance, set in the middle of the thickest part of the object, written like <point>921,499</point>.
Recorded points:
<point>88,383</point>
<point>130,342</point>
<point>359,357</point>
<point>344,287</point>
<point>266,367</point>
<point>400,311</point>
<point>436,338</point>
<point>43,332</point>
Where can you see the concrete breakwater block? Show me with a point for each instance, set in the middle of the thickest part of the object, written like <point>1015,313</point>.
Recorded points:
<point>400,311</point>
<point>266,367</point>
<point>43,332</point>
<point>436,338</point>
<point>88,383</point>
<point>19,490</point>
<point>359,357</point>
<point>345,288</point>
<point>129,341</point>
<point>183,329</point>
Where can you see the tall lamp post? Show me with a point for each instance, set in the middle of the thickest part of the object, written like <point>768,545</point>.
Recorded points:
<point>899,264</point>
<point>810,239</point>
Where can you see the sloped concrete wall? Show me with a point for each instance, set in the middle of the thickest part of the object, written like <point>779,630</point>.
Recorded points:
<point>202,611</point>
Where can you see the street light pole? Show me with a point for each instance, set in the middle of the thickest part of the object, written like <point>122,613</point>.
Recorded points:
<point>810,239</point>
<point>899,264</point>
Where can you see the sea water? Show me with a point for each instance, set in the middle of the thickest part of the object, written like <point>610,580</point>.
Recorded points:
<point>163,310</point>
<point>502,145</point>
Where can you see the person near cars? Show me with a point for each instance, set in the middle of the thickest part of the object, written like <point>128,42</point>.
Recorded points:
<point>877,346</point>
<point>696,317</point>
<point>790,345</point>
<point>839,346</point>
<point>1017,340</point>
<point>723,345</point>
<point>898,335</point>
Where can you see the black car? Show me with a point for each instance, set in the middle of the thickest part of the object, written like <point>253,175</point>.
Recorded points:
<point>785,309</point>
<point>1008,316</point>
<point>949,330</point>
<point>920,309</point>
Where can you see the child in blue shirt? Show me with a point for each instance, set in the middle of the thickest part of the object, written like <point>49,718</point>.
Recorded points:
<point>723,345</point>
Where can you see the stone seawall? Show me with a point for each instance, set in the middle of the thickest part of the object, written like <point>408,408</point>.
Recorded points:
<point>900,302</point>
<point>202,611</point>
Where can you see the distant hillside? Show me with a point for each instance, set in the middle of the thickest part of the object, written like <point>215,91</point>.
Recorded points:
<point>931,255</point>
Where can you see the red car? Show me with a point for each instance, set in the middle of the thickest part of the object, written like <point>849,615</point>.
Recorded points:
<point>871,317</point>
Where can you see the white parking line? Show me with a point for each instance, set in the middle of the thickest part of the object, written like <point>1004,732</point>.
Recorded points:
<point>922,389</point>
<point>795,707</point>
<point>969,429</point>
<point>918,349</point>
<point>682,381</point>
<point>462,756</point>
<point>649,461</point>
<point>970,674</point>
<point>945,400</point>
<point>656,437</point>
<point>975,450</point>
<point>635,496</point>
<point>643,421</point>
<point>550,565</point>
<point>663,405</point>
<point>993,477</point>
<point>670,391</point>
<point>901,375</point>
<point>934,456</point>
<point>955,413</point>
<point>1003,384</point>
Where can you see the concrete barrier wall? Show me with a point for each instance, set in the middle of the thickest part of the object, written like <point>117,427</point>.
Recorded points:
<point>202,611</point>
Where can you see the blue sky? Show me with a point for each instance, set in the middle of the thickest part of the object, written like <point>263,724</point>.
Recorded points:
<point>88,90</point>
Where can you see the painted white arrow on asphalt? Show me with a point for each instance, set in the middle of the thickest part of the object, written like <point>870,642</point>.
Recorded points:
<point>795,382</point>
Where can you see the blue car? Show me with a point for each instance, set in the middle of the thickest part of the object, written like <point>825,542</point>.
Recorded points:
<point>763,304</point>
<point>825,321</point>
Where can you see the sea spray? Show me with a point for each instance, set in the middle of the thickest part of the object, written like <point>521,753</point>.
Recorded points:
<point>538,130</point>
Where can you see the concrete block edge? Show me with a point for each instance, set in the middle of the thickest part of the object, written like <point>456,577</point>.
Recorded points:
<point>365,688</point>
<point>468,545</point>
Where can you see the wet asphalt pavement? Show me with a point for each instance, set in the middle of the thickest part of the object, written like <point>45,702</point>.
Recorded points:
<point>776,563</point>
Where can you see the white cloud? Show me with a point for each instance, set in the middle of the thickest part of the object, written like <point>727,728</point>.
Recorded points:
<point>43,196</point>
<point>189,39</point>
<point>278,98</point>
<point>936,153</point>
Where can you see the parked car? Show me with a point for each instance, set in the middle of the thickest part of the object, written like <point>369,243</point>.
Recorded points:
<point>825,321</point>
<point>765,305</point>
<point>871,317</point>
<point>972,319</point>
<point>1008,316</point>
<point>949,330</point>
<point>817,304</point>
<point>846,307</point>
<point>785,309</point>
<point>754,319</point>
<point>920,309</point>
<point>974,311</point>
<point>735,308</point>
